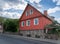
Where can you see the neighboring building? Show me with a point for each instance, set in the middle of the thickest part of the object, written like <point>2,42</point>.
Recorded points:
<point>33,22</point>
<point>1,28</point>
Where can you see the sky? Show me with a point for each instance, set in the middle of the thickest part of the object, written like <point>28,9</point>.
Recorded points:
<point>14,8</point>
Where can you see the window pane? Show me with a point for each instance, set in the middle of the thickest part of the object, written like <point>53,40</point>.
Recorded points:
<point>35,21</point>
<point>27,13</point>
<point>28,23</point>
<point>22,24</point>
<point>31,11</point>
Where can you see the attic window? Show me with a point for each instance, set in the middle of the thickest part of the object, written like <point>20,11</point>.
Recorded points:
<point>31,12</point>
<point>27,13</point>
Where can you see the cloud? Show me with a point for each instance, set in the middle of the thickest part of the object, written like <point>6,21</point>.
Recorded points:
<point>58,19</point>
<point>32,1</point>
<point>53,10</point>
<point>12,8</point>
<point>11,1</point>
<point>58,2</point>
<point>6,6</point>
<point>19,6</point>
<point>1,9</point>
<point>55,0</point>
<point>13,15</point>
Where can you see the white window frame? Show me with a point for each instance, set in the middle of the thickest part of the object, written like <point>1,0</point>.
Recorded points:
<point>27,23</point>
<point>31,11</point>
<point>22,23</point>
<point>35,21</point>
<point>27,13</point>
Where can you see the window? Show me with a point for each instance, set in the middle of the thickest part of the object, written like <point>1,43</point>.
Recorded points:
<point>28,23</point>
<point>26,13</point>
<point>31,12</point>
<point>36,21</point>
<point>22,24</point>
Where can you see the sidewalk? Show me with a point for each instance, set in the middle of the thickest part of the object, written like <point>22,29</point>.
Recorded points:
<point>45,40</point>
<point>58,41</point>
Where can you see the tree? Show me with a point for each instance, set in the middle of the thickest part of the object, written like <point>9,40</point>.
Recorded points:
<point>11,25</point>
<point>1,19</point>
<point>54,30</point>
<point>54,27</point>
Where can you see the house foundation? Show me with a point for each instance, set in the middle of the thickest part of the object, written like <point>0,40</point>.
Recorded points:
<point>33,33</point>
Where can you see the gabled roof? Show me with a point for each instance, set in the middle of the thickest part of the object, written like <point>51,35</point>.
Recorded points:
<point>38,11</point>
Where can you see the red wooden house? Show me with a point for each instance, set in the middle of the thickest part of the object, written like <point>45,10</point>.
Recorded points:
<point>33,22</point>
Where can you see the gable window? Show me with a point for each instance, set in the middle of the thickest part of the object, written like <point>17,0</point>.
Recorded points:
<point>31,11</point>
<point>36,21</point>
<point>27,13</point>
<point>22,23</point>
<point>28,23</point>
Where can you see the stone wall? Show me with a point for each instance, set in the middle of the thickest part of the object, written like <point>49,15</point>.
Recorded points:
<point>33,33</point>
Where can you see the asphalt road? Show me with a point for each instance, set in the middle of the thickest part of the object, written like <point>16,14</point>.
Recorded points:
<point>11,40</point>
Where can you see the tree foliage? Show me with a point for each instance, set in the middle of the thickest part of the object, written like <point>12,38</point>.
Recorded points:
<point>55,27</point>
<point>1,19</point>
<point>11,25</point>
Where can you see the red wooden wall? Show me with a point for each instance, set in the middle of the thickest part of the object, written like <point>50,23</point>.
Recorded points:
<point>36,14</point>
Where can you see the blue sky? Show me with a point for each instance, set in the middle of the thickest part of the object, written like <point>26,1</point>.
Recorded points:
<point>14,8</point>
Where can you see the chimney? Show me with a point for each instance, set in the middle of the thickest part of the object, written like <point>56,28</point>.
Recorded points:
<point>45,12</point>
